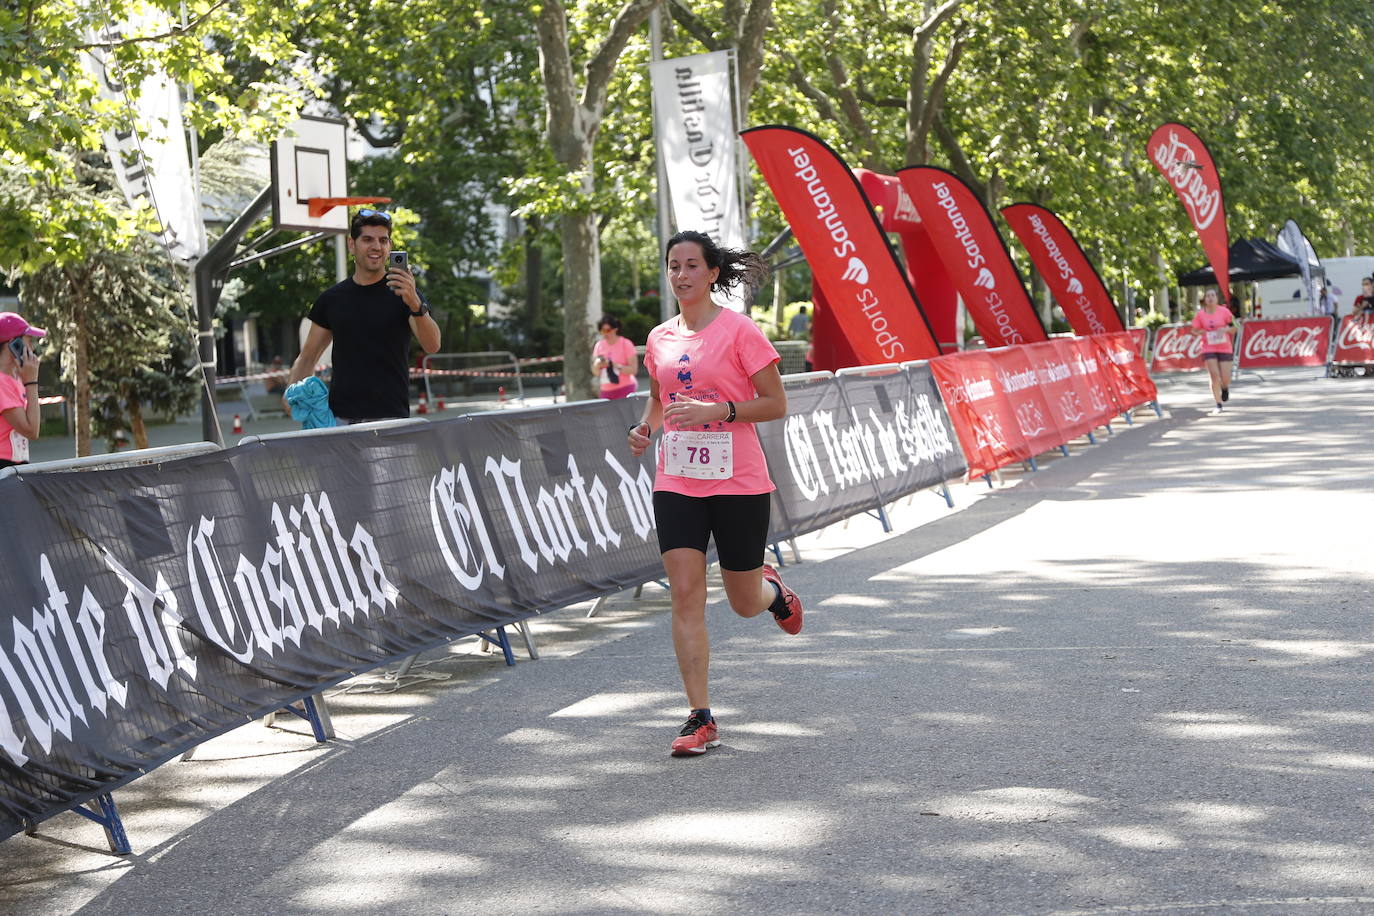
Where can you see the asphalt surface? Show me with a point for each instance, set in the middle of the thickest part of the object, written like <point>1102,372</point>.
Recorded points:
<point>1136,681</point>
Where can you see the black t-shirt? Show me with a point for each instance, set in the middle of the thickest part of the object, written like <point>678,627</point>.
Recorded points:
<point>371,328</point>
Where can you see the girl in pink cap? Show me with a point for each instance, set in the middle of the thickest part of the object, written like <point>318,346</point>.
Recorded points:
<point>18,388</point>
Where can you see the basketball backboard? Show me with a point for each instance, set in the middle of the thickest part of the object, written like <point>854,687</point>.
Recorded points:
<point>309,160</point>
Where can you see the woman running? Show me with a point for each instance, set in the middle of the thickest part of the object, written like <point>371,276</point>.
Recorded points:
<point>1216,325</point>
<point>613,360</point>
<point>712,376</point>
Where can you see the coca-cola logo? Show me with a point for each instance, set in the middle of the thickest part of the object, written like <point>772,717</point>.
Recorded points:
<point>1297,343</point>
<point>1174,343</point>
<point>1178,161</point>
<point>1356,335</point>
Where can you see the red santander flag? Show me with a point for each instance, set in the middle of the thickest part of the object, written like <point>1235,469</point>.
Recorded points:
<point>974,255</point>
<point>844,244</point>
<point>1068,273</point>
<point>1184,161</point>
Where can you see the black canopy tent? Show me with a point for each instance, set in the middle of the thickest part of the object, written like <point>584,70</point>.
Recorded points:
<point>1251,259</point>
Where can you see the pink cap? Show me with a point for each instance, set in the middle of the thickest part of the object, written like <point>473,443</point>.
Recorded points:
<point>12,326</point>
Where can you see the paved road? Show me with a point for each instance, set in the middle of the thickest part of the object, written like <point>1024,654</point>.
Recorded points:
<point>1137,681</point>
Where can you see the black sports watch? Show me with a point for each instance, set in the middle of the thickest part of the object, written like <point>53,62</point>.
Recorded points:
<point>424,310</point>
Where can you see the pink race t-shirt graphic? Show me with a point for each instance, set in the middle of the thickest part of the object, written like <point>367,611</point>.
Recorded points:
<point>715,364</point>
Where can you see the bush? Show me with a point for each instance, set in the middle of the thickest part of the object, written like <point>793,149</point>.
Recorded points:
<point>1153,320</point>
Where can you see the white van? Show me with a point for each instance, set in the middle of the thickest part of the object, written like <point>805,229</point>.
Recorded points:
<point>1282,298</point>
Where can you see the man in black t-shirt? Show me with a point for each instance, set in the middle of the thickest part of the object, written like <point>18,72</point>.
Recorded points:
<point>369,318</point>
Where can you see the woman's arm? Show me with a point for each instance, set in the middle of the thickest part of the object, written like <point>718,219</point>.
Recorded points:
<point>652,418</point>
<point>25,420</point>
<point>770,404</point>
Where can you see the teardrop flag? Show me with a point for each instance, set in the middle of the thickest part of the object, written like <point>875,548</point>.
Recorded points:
<point>1071,277</point>
<point>974,255</point>
<point>844,244</point>
<point>1185,162</point>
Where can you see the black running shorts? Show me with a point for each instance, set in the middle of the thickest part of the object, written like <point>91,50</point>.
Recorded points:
<point>739,524</point>
<point>1219,357</point>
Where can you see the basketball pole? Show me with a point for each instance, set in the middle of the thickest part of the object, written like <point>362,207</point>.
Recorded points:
<point>210,273</point>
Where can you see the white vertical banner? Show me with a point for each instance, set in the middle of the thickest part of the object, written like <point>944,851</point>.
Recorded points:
<point>1293,241</point>
<point>149,157</point>
<point>697,138</point>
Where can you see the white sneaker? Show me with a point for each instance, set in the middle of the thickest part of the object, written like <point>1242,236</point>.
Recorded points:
<point>1215,410</point>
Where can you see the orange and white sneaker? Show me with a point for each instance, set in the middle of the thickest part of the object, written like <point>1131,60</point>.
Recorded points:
<point>791,618</point>
<point>696,736</point>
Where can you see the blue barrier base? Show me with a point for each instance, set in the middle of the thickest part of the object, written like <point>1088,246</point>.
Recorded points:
<point>102,810</point>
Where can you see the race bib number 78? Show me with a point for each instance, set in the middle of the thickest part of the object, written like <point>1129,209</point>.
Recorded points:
<point>706,456</point>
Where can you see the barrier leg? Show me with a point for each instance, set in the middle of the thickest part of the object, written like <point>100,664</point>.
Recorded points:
<point>405,667</point>
<point>1092,440</point>
<point>314,711</point>
<point>599,603</point>
<point>988,478</point>
<point>1126,415</point>
<point>501,642</point>
<point>1158,413</point>
<point>1108,427</point>
<point>882,517</point>
<point>949,498</point>
<point>1064,450</point>
<point>1031,461</point>
<point>777,553</point>
<point>796,554</point>
<point>102,810</point>
<point>524,627</point>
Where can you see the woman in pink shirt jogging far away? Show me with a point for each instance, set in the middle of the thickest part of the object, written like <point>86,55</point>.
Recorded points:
<point>1216,324</point>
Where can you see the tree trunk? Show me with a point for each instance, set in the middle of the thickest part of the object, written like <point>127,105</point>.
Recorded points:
<point>136,425</point>
<point>581,300</point>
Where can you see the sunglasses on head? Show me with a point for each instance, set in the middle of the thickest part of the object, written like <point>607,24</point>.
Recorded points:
<point>366,213</point>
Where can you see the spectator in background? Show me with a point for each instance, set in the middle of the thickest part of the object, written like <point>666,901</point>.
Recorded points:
<point>276,376</point>
<point>800,325</point>
<point>1326,302</point>
<point>19,410</point>
<point>614,362</point>
<point>1363,308</point>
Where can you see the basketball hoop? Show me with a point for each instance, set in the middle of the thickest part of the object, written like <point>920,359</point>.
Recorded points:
<point>319,206</point>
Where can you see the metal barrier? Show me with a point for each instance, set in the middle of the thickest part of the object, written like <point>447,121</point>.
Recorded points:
<point>454,376</point>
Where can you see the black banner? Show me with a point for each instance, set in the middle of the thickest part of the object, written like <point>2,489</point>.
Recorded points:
<point>852,443</point>
<point>152,608</point>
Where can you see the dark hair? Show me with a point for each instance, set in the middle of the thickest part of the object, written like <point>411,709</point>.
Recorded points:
<point>608,321</point>
<point>367,217</point>
<point>1367,279</point>
<point>736,266</point>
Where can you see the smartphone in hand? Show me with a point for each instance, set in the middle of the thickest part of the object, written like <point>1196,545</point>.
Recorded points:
<point>399,261</point>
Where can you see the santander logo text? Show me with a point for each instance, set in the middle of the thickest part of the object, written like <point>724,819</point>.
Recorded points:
<point>974,257</point>
<point>1177,160</point>
<point>845,247</point>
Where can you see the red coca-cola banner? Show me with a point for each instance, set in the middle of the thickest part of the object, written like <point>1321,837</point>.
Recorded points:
<point>1185,162</point>
<point>1020,382</point>
<point>1275,342</point>
<point>1177,349</point>
<point>975,256</point>
<point>1071,277</point>
<point>1139,338</point>
<point>1355,342</point>
<point>983,418</point>
<point>844,245</point>
<point>1123,366</point>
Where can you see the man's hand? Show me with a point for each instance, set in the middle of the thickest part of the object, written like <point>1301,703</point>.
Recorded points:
<point>402,283</point>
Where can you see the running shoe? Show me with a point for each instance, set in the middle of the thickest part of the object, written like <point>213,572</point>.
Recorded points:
<point>696,736</point>
<point>1226,394</point>
<point>791,618</point>
<point>1215,410</point>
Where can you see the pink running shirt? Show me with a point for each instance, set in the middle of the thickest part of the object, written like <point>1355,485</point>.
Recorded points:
<point>622,352</point>
<point>717,364</point>
<point>1213,325</point>
<point>11,395</point>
